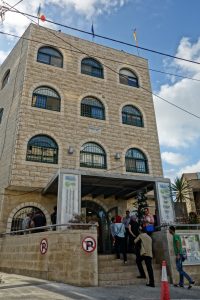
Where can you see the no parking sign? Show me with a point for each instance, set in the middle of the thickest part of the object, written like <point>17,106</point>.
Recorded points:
<point>88,244</point>
<point>43,246</point>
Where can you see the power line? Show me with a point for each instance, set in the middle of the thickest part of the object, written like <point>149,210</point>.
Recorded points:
<point>80,51</point>
<point>85,53</point>
<point>107,38</point>
<point>105,58</point>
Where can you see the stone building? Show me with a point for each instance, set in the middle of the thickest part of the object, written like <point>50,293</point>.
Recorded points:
<point>193,180</point>
<point>73,107</point>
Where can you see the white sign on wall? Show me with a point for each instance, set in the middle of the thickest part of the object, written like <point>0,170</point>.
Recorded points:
<point>68,202</point>
<point>165,203</point>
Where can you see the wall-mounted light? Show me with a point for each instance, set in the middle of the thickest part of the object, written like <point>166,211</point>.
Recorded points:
<point>117,155</point>
<point>70,150</point>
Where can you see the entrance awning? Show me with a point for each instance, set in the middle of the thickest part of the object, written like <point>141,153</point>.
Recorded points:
<point>100,183</point>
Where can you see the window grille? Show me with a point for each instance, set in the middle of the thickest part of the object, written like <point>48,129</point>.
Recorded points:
<point>92,156</point>
<point>136,161</point>
<point>19,217</point>
<point>92,108</point>
<point>128,78</point>
<point>90,66</point>
<point>132,116</point>
<point>50,56</point>
<point>43,149</point>
<point>46,98</point>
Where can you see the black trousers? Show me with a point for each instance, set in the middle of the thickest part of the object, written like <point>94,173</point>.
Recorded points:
<point>148,263</point>
<point>120,247</point>
<point>128,241</point>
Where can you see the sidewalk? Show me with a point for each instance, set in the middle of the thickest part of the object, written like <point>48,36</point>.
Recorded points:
<point>22,287</point>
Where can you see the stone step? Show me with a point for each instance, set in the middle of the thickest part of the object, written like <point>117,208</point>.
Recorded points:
<point>112,256</point>
<point>124,282</point>
<point>126,275</point>
<point>114,263</point>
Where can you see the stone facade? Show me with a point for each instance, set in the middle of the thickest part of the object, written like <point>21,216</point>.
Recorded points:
<point>21,121</point>
<point>65,260</point>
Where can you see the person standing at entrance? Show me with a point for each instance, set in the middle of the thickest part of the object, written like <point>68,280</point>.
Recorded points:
<point>126,221</point>
<point>177,244</point>
<point>54,217</point>
<point>148,222</point>
<point>134,232</point>
<point>119,233</point>
<point>146,255</point>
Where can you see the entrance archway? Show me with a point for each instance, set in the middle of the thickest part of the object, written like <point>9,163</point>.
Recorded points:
<point>96,213</point>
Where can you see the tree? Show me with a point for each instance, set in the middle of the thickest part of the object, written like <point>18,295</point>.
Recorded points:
<point>141,205</point>
<point>181,192</point>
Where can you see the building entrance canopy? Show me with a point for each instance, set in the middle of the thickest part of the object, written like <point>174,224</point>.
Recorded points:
<point>101,183</point>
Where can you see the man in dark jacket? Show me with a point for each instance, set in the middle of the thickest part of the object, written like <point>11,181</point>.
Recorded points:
<point>54,217</point>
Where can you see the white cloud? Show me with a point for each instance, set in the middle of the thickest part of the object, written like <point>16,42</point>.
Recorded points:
<point>16,23</point>
<point>190,168</point>
<point>172,158</point>
<point>175,127</point>
<point>3,55</point>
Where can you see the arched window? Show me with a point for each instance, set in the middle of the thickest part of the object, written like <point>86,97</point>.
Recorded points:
<point>50,56</point>
<point>19,220</point>
<point>127,77</point>
<point>46,98</point>
<point>43,149</point>
<point>136,161</point>
<point>132,116</point>
<point>5,79</point>
<point>92,108</point>
<point>92,67</point>
<point>92,156</point>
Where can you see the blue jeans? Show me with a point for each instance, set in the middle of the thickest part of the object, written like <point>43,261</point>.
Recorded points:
<point>179,267</point>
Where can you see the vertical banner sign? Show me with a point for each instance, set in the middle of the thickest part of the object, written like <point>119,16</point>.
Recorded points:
<point>68,202</point>
<point>165,203</point>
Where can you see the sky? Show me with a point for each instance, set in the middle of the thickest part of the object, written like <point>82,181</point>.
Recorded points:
<point>169,26</point>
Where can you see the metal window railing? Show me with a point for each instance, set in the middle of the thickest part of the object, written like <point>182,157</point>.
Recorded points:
<point>66,226</point>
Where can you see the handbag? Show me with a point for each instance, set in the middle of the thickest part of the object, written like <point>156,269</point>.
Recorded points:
<point>150,228</point>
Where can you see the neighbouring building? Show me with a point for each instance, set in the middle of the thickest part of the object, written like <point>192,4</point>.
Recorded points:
<point>75,114</point>
<point>193,180</point>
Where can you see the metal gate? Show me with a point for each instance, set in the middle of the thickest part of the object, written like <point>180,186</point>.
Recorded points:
<point>21,215</point>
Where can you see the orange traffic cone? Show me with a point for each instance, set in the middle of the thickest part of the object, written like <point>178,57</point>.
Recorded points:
<point>164,283</point>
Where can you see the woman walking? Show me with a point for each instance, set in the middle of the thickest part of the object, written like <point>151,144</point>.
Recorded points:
<point>119,231</point>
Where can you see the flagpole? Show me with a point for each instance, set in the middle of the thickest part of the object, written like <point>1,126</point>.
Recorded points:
<point>38,13</point>
<point>136,41</point>
<point>92,30</point>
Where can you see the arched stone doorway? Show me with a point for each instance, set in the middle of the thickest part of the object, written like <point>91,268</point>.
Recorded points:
<point>95,212</point>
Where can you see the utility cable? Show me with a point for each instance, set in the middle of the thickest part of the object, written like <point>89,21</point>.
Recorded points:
<point>105,58</point>
<point>85,53</point>
<point>107,38</point>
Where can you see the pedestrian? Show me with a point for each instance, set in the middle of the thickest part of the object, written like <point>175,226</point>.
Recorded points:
<point>54,217</point>
<point>134,232</point>
<point>27,222</point>
<point>126,221</point>
<point>119,233</point>
<point>146,255</point>
<point>38,220</point>
<point>112,233</point>
<point>178,251</point>
<point>148,221</point>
